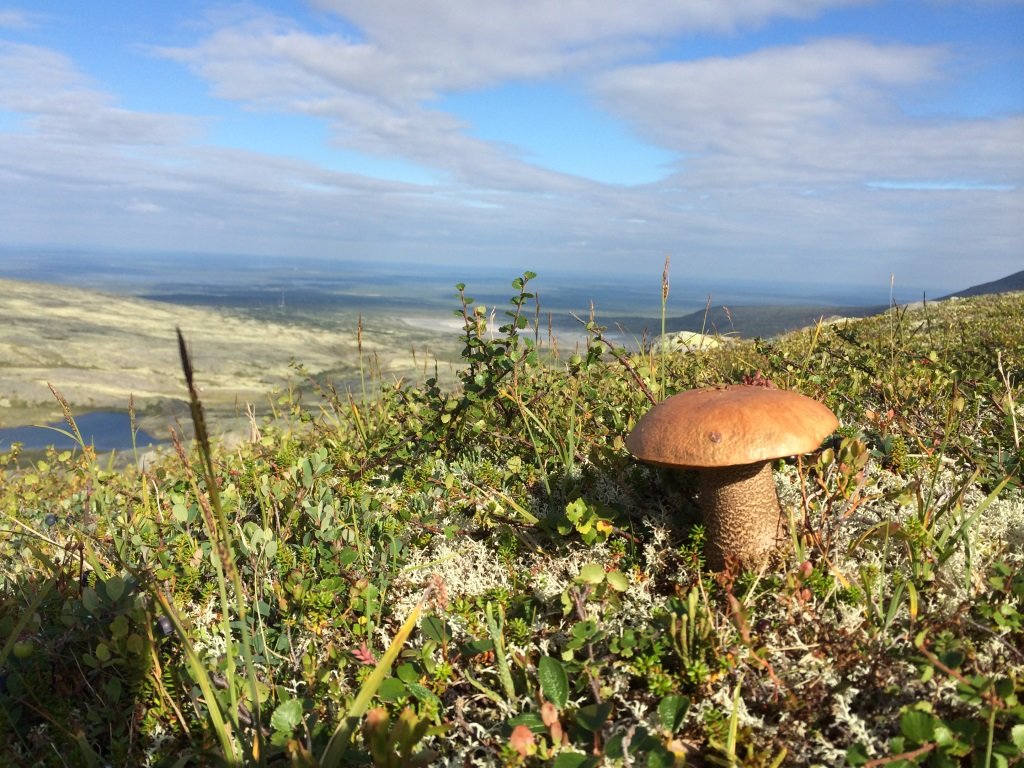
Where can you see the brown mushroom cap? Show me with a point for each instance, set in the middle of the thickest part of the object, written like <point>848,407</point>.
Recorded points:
<point>730,425</point>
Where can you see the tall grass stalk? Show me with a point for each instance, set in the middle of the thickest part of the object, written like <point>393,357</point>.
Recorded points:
<point>359,422</point>
<point>133,426</point>
<point>565,448</point>
<point>664,310</point>
<point>226,569</point>
<point>224,728</point>
<point>1011,406</point>
<point>892,314</point>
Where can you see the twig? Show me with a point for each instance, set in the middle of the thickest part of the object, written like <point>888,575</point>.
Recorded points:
<point>990,697</point>
<point>598,336</point>
<point>581,612</point>
<point>924,749</point>
<point>1009,397</point>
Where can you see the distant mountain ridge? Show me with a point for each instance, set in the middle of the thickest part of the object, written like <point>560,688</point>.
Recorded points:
<point>770,320</point>
<point>1014,282</point>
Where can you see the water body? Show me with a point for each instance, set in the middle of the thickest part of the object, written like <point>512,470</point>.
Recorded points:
<point>104,430</point>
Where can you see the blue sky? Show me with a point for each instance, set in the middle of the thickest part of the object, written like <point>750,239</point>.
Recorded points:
<point>799,141</point>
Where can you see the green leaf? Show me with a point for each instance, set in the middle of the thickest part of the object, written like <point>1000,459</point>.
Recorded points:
<point>114,588</point>
<point>591,573</point>
<point>287,716</point>
<point>952,659</point>
<point>474,647</point>
<point>944,735</point>
<point>391,689</point>
<point>856,754</point>
<point>617,580</point>
<point>569,760</point>
<point>90,600</point>
<point>593,716</point>
<point>119,626</point>
<point>113,689</point>
<point>407,673</point>
<point>135,643</point>
<point>671,712</point>
<point>436,629</point>
<point>613,747</point>
<point>575,510</point>
<point>918,726</point>
<point>1004,687</point>
<point>424,694</point>
<point>180,512</point>
<point>554,681</point>
<point>659,757</point>
<point>584,630</point>
<point>1017,735</point>
<point>531,720</point>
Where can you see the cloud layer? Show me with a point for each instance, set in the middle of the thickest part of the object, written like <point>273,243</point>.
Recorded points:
<point>796,160</point>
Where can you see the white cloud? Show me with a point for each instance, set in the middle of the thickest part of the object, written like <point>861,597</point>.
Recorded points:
<point>377,89</point>
<point>372,99</point>
<point>65,107</point>
<point>11,18</point>
<point>493,40</point>
<point>144,206</point>
<point>779,148</point>
<point>816,116</point>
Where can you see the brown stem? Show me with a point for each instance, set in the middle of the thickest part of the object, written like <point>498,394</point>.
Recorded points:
<point>924,749</point>
<point>742,516</point>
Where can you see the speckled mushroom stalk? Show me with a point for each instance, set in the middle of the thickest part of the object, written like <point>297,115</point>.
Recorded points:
<point>730,435</point>
<point>745,519</point>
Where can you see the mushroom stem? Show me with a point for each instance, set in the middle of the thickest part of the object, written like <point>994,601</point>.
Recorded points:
<point>742,516</point>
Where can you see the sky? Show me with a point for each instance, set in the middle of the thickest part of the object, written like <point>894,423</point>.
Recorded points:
<point>802,142</point>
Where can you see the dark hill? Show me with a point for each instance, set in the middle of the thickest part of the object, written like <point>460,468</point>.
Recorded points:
<point>746,320</point>
<point>767,320</point>
<point>772,320</point>
<point>1014,282</point>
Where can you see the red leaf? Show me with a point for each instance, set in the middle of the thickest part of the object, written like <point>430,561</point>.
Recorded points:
<point>365,655</point>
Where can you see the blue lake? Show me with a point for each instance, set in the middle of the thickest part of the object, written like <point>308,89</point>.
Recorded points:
<point>104,430</point>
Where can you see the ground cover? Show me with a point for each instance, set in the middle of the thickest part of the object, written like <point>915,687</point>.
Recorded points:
<point>481,574</point>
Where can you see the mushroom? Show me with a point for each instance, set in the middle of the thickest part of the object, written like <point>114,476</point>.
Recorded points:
<point>731,434</point>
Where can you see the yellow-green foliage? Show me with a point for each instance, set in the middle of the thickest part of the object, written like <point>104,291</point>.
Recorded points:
<point>568,618</point>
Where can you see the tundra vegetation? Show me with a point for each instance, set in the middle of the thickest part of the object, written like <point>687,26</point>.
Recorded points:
<point>412,573</point>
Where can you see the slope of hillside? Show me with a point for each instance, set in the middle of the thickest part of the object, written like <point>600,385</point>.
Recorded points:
<point>484,575</point>
<point>98,348</point>
<point>1014,282</point>
<point>766,320</point>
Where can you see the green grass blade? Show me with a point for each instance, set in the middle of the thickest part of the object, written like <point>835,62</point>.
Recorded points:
<point>341,738</point>
<point>224,557</point>
<point>199,673</point>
